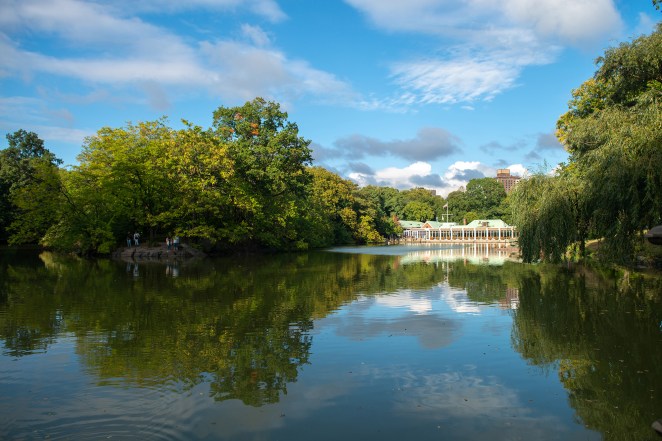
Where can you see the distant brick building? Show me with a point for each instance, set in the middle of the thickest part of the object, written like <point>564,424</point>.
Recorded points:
<point>506,179</point>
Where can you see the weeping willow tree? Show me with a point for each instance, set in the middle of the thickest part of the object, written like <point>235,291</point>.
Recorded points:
<point>545,217</point>
<point>611,188</point>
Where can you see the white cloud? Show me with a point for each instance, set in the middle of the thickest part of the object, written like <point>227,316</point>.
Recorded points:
<point>453,81</point>
<point>63,134</point>
<point>245,71</point>
<point>267,9</point>
<point>423,16</point>
<point>479,68</point>
<point>20,107</point>
<point>112,49</point>
<point>518,170</point>
<point>35,115</point>
<point>93,26</point>
<point>572,21</point>
<point>421,174</point>
<point>458,301</point>
<point>256,35</point>
<point>461,168</point>
<point>406,301</point>
<point>395,174</point>
<point>492,42</point>
<point>463,401</point>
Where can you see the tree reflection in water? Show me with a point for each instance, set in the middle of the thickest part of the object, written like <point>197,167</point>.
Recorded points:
<point>244,325</point>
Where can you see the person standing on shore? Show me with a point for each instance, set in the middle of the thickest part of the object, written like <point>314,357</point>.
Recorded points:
<point>175,242</point>
<point>136,239</point>
<point>128,239</point>
<point>168,242</point>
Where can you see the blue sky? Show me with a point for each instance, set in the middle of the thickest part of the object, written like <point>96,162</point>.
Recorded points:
<point>411,93</point>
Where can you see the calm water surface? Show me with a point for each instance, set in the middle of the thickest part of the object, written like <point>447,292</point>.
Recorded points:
<point>383,343</point>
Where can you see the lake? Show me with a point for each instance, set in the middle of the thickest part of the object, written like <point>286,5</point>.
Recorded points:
<point>358,343</point>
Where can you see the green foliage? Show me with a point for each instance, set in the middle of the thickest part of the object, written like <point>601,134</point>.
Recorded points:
<point>239,183</point>
<point>423,196</point>
<point>204,198</point>
<point>119,185</point>
<point>243,326</point>
<point>583,322</point>
<point>29,188</point>
<point>343,215</point>
<point>413,204</point>
<point>485,195</point>
<point>612,186</point>
<point>37,203</point>
<point>418,211</point>
<point>270,160</point>
<point>484,198</point>
<point>544,217</point>
<point>246,182</point>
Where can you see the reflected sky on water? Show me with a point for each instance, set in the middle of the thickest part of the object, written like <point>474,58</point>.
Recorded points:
<point>384,343</point>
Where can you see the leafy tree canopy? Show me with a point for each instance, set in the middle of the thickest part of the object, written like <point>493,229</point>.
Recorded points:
<point>612,185</point>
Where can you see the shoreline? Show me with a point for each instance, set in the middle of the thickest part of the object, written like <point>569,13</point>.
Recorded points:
<point>156,253</point>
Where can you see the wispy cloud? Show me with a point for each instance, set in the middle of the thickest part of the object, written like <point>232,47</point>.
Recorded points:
<point>243,71</point>
<point>568,21</point>
<point>108,46</point>
<point>484,45</point>
<point>266,9</point>
<point>34,114</point>
<point>453,81</point>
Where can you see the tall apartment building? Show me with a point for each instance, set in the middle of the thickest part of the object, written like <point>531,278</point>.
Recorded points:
<point>506,179</point>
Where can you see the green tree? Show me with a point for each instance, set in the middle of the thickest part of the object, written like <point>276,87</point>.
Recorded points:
<point>38,204</point>
<point>544,216</point>
<point>29,188</point>
<point>118,186</point>
<point>205,205</point>
<point>484,198</point>
<point>458,205</point>
<point>342,214</point>
<point>270,160</point>
<point>421,195</point>
<point>6,209</point>
<point>418,211</point>
<point>485,195</point>
<point>613,131</point>
<point>386,204</point>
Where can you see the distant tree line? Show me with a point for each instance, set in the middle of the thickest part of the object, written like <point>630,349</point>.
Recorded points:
<point>248,181</point>
<point>611,187</point>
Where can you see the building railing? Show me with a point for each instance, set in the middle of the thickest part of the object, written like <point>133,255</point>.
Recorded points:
<point>462,234</point>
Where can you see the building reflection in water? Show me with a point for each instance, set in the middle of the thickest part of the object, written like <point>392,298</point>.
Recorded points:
<point>475,254</point>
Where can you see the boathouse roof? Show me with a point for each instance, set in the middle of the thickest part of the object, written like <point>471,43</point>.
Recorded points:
<point>491,223</point>
<point>410,224</point>
<point>434,224</point>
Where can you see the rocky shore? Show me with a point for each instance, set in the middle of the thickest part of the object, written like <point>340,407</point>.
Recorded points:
<point>157,253</point>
